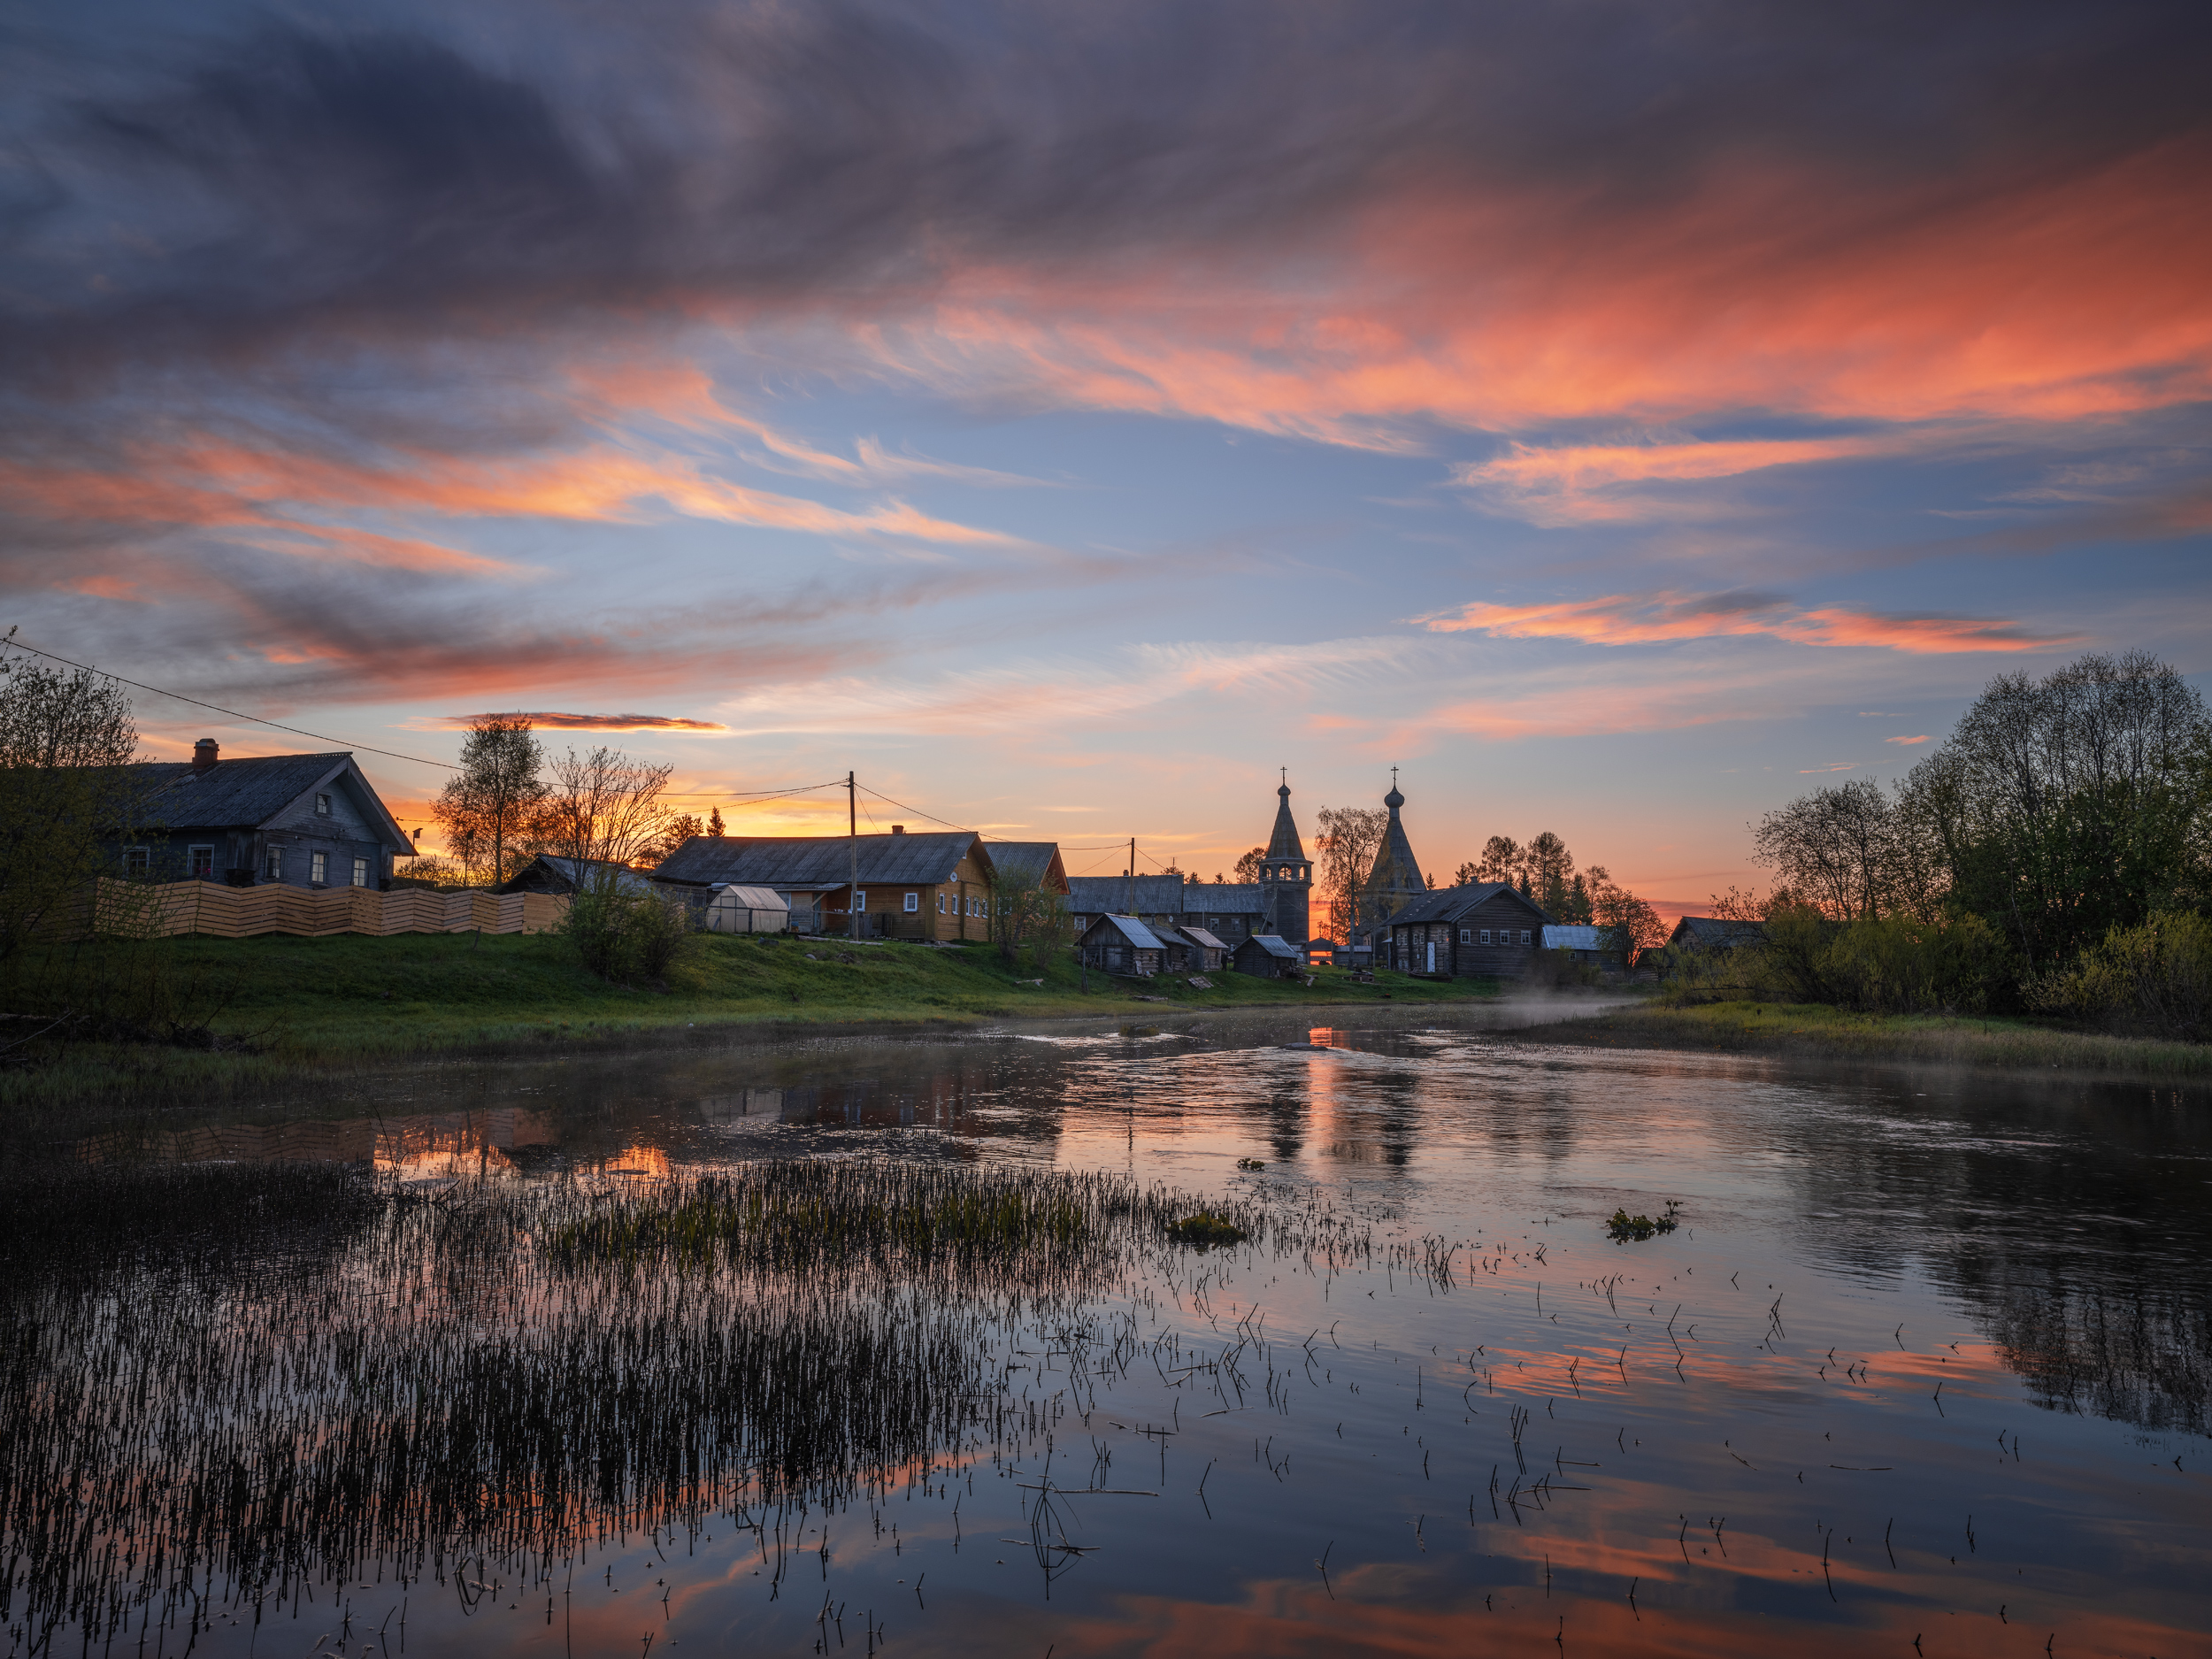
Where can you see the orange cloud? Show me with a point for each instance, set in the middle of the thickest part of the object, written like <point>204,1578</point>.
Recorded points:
<point>1765,286</point>
<point>1907,740</point>
<point>1581,484</point>
<point>1650,619</point>
<point>579,723</point>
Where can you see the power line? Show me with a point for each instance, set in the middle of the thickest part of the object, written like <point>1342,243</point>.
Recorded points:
<point>235,714</point>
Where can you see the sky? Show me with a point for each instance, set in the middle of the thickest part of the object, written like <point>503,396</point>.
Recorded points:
<point>1620,419</point>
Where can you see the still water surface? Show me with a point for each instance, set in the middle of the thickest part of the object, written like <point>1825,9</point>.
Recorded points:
<point>1923,1367</point>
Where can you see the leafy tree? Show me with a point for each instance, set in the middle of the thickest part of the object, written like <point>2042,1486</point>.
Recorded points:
<point>1349,838</point>
<point>486,812</point>
<point>66,799</point>
<point>1248,868</point>
<point>1026,910</point>
<point>2062,808</point>
<point>678,828</point>
<point>1501,860</point>
<point>1468,874</point>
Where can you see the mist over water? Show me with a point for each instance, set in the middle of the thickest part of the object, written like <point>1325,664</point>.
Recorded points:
<point>1926,1358</point>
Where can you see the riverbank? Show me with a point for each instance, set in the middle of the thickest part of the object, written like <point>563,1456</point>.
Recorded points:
<point>1817,1030</point>
<point>285,1007</point>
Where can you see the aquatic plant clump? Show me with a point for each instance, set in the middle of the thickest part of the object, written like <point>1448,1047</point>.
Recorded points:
<point>1205,1230</point>
<point>1625,1228</point>
<point>514,1370</point>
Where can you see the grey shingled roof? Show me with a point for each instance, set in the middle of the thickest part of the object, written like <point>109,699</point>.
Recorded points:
<point>1449,904</point>
<point>1283,843</point>
<point>626,879</point>
<point>1712,933</point>
<point>1225,898</point>
<point>820,861</point>
<point>245,793</point>
<point>1199,936</point>
<point>1146,895</point>
<point>1010,856</point>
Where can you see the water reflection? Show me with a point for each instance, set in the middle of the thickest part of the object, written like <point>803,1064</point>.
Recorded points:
<point>1867,1393</point>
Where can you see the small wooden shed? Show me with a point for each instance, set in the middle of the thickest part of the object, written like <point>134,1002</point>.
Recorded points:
<point>1270,955</point>
<point>1122,944</point>
<point>1203,953</point>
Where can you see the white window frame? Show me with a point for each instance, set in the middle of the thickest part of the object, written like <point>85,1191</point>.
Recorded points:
<point>360,872</point>
<point>319,870</point>
<point>192,860</point>
<point>272,863</point>
<point>137,860</point>
<point>1525,937</point>
<point>1486,937</point>
<point>913,903</point>
<point>1466,935</point>
<point>322,803</point>
<point>941,905</point>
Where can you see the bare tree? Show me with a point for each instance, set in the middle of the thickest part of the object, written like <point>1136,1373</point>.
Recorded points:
<point>1631,925</point>
<point>1837,847</point>
<point>1026,910</point>
<point>603,810</point>
<point>675,830</point>
<point>485,811</point>
<point>1350,837</point>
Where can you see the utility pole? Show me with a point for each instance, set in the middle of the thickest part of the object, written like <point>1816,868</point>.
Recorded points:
<point>852,857</point>
<point>1129,894</point>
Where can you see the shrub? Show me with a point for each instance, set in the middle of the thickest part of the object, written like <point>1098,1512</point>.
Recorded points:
<point>1203,1231</point>
<point>2155,979</point>
<point>1898,965</point>
<point>626,938</point>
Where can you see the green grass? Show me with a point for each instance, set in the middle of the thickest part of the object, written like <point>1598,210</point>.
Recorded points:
<point>300,1004</point>
<point>1996,1042</point>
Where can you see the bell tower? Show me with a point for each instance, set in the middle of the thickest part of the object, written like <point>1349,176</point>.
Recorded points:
<point>1286,877</point>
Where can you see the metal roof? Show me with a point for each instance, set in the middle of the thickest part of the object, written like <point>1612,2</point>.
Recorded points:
<point>247,792</point>
<point>1199,936</point>
<point>1130,928</point>
<point>821,861</point>
<point>1575,936</point>
<point>1273,944</point>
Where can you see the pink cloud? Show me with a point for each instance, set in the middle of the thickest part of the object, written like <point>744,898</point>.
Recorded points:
<point>1907,742</point>
<point>1650,618</point>
<point>1584,484</point>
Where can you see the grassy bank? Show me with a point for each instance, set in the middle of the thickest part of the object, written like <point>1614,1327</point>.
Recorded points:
<point>300,1004</point>
<point>2019,1044</point>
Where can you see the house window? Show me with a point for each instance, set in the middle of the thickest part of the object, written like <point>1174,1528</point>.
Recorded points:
<point>940,905</point>
<point>1486,935</point>
<point>322,806</point>
<point>202,861</point>
<point>360,872</point>
<point>913,903</point>
<point>860,899</point>
<point>319,868</point>
<point>272,863</point>
<point>137,860</point>
<point>1466,935</point>
<point>1525,935</point>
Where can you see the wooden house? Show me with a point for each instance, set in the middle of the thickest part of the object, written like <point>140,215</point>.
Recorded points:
<point>1485,928</point>
<point>1122,944</point>
<point>1042,857</point>
<point>303,820</point>
<point>935,887</point>
<point>1587,945</point>
<point>1268,956</point>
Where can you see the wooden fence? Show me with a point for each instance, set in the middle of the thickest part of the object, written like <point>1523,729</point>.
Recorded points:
<point>225,912</point>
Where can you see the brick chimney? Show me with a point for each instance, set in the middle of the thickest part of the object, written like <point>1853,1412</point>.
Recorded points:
<point>898,829</point>
<point>204,755</point>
